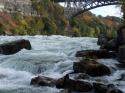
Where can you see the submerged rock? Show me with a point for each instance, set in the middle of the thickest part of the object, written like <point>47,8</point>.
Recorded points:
<point>14,46</point>
<point>122,77</point>
<point>96,54</point>
<point>73,85</point>
<point>91,67</point>
<point>2,76</point>
<point>43,81</point>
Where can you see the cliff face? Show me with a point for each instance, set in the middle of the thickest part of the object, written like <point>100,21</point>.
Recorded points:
<point>22,6</point>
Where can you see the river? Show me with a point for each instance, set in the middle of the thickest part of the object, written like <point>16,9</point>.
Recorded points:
<point>51,56</point>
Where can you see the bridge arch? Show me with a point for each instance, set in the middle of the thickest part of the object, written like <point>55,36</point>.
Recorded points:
<point>90,8</point>
<point>81,6</point>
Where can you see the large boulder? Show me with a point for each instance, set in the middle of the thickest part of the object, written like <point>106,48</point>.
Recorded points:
<point>102,88</point>
<point>43,81</point>
<point>110,45</point>
<point>121,36</point>
<point>91,67</point>
<point>14,46</point>
<point>102,39</point>
<point>113,44</point>
<point>81,76</point>
<point>121,54</point>
<point>73,85</point>
<point>102,53</point>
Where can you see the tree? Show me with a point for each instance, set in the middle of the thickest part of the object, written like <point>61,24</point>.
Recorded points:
<point>123,8</point>
<point>52,14</point>
<point>2,29</point>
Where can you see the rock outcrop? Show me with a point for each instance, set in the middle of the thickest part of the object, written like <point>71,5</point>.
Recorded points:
<point>62,83</point>
<point>102,53</point>
<point>102,39</point>
<point>14,46</point>
<point>91,67</point>
<point>121,54</point>
<point>43,81</point>
<point>121,36</point>
<point>73,85</point>
<point>110,45</point>
<point>114,43</point>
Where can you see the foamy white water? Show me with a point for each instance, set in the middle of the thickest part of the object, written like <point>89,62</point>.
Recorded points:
<point>51,56</point>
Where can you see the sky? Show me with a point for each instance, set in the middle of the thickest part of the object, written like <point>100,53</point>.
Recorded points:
<point>108,10</point>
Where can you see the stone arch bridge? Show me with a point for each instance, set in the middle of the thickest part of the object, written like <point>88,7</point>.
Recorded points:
<point>75,7</point>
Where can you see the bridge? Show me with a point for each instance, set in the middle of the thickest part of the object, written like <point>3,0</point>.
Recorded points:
<point>76,7</point>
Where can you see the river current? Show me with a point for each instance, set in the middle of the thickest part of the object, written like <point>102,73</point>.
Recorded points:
<point>51,56</point>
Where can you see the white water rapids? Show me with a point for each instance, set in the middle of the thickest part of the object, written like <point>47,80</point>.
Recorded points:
<point>51,56</point>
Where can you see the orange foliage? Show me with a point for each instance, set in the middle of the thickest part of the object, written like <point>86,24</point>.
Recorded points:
<point>8,18</point>
<point>86,18</point>
<point>109,23</point>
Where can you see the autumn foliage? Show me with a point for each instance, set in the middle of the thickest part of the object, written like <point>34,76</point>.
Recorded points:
<point>51,20</point>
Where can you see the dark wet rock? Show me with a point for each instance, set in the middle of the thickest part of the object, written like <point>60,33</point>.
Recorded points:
<point>65,91</point>
<point>121,54</point>
<point>73,85</point>
<point>82,76</point>
<point>110,45</point>
<point>14,46</point>
<point>114,44</point>
<point>102,88</point>
<point>122,77</point>
<point>114,91</point>
<point>43,81</point>
<point>102,39</point>
<point>120,65</point>
<point>102,53</point>
<point>121,36</point>
<point>91,67</point>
